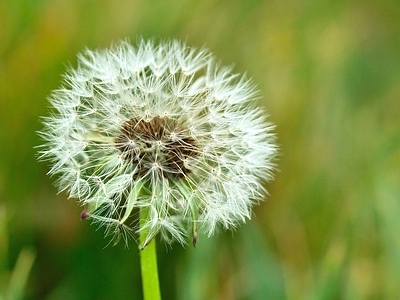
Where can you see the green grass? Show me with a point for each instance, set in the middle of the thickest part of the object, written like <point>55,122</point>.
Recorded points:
<point>329,73</point>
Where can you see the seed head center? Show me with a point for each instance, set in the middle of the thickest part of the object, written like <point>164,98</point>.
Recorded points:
<point>160,142</point>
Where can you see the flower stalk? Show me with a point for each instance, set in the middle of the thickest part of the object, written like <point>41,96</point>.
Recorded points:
<point>148,262</point>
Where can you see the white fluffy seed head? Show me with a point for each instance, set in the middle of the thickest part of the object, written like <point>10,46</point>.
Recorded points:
<point>162,128</point>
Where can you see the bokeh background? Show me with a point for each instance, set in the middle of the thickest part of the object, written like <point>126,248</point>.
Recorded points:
<point>329,75</point>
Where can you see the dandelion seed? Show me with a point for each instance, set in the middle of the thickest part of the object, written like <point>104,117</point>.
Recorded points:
<point>162,128</point>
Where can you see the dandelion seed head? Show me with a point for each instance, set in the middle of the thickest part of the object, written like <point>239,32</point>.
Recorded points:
<point>163,128</point>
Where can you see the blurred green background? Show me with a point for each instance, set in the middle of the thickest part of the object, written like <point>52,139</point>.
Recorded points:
<point>329,73</point>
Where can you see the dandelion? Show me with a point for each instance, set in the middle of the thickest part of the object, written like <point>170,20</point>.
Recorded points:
<point>162,129</point>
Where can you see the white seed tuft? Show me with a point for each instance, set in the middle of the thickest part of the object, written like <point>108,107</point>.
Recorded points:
<point>163,128</point>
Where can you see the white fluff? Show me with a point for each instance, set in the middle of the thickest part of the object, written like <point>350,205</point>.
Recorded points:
<point>207,167</point>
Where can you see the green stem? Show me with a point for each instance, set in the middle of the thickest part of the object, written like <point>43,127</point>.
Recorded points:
<point>148,263</point>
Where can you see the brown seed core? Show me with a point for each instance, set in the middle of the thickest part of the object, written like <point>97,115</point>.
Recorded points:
<point>160,142</point>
